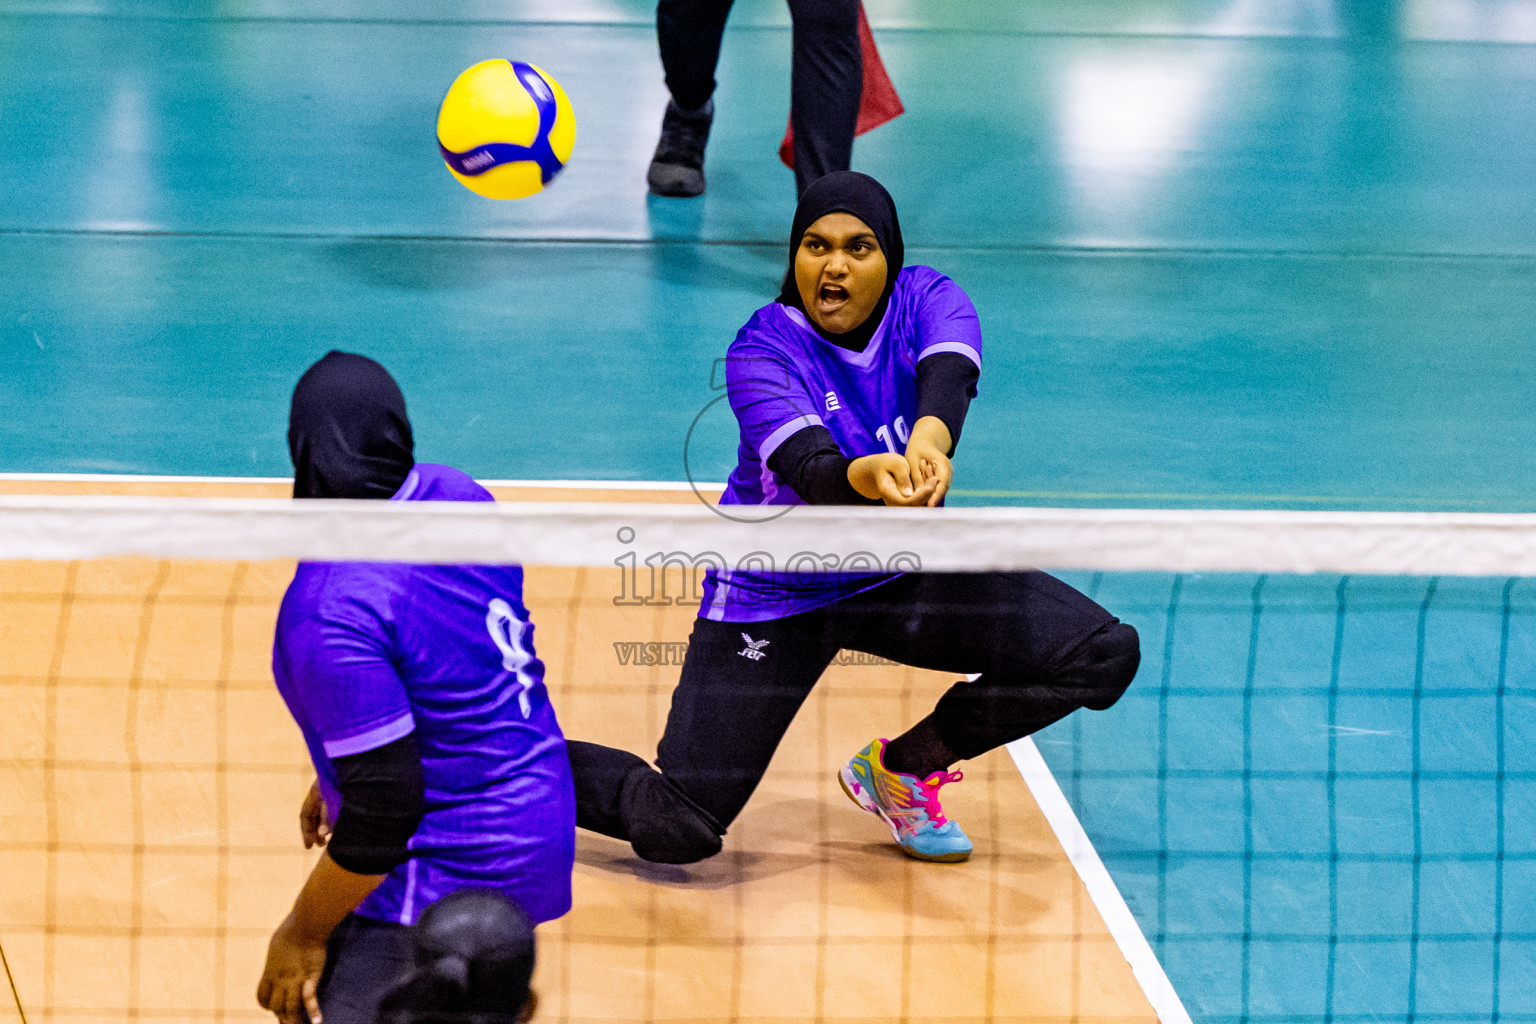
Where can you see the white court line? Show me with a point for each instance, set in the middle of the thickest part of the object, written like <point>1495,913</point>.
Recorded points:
<point>1101,888</point>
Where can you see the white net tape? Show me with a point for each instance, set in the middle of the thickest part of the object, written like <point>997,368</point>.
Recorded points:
<point>951,539</point>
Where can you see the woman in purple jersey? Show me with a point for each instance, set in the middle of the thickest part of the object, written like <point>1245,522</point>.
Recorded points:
<point>440,766</point>
<point>852,389</point>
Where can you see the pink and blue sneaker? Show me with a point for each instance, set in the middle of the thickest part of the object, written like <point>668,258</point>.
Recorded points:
<point>907,804</point>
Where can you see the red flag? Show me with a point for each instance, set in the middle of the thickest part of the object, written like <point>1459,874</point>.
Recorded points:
<point>877,104</point>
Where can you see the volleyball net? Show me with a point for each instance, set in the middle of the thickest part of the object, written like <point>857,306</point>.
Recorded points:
<point>1312,794</point>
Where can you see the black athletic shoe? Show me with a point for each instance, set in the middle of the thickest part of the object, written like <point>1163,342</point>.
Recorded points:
<point>677,169</point>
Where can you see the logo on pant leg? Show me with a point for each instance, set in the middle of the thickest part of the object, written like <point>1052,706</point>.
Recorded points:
<point>754,648</point>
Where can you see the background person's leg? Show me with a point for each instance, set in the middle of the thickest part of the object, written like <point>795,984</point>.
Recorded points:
<point>1042,648</point>
<point>689,32</point>
<point>826,84</point>
<point>364,960</point>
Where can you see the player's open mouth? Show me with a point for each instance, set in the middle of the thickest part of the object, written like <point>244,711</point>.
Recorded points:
<point>831,298</point>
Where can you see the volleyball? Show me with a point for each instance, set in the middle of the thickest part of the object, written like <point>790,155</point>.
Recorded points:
<point>505,129</point>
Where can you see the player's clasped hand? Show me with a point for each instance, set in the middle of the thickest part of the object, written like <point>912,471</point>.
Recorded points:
<point>927,461</point>
<point>888,477</point>
<point>919,478</point>
<point>292,976</point>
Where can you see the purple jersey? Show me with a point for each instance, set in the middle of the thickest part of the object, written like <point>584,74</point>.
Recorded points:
<point>781,377</point>
<point>369,652</point>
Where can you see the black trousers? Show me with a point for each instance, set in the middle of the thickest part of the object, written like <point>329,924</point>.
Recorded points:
<point>364,959</point>
<point>826,80</point>
<point>1041,648</point>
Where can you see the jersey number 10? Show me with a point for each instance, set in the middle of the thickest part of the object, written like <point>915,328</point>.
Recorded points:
<point>884,433</point>
<point>507,634</point>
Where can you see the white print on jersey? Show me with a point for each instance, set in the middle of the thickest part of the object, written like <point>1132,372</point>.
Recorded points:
<point>884,434</point>
<point>507,634</point>
<point>754,649</point>
<point>832,403</point>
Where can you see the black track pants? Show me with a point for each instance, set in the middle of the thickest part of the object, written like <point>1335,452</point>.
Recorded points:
<point>364,959</point>
<point>826,81</point>
<point>1042,650</point>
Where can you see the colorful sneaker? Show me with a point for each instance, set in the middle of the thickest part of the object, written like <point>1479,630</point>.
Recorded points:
<point>909,805</point>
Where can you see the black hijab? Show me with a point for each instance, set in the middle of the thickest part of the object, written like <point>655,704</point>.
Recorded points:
<point>474,959</point>
<point>865,198</point>
<point>348,434</point>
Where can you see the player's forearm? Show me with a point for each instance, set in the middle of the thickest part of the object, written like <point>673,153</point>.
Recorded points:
<point>815,468</point>
<point>932,431</point>
<point>331,893</point>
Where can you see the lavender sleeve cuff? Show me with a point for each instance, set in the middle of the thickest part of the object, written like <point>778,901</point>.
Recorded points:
<point>371,738</point>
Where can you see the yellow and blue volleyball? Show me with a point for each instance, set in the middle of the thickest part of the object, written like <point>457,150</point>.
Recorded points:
<point>505,129</point>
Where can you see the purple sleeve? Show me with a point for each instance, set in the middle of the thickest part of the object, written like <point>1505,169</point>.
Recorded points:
<point>340,669</point>
<point>945,320</point>
<point>768,395</point>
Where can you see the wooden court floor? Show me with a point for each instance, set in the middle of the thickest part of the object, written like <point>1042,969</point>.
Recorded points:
<point>150,781</point>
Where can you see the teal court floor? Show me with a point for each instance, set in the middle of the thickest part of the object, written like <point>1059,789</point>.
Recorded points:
<point>1226,254</point>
